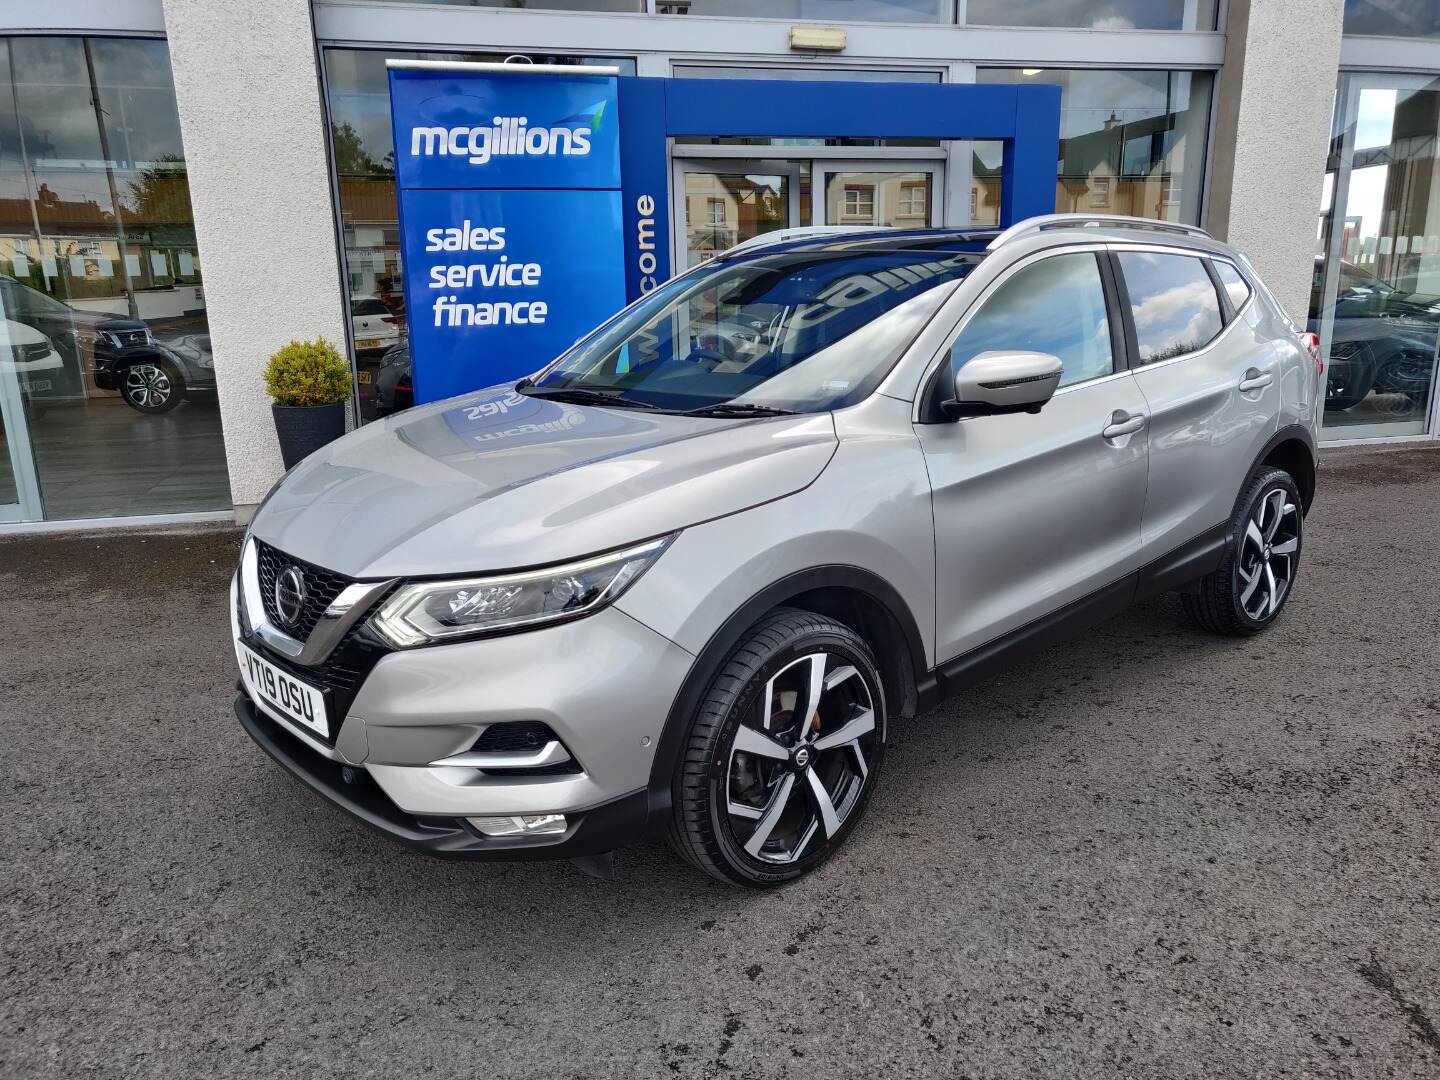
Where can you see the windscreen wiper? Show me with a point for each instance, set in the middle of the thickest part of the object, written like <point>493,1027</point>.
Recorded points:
<point>739,409</point>
<point>580,395</point>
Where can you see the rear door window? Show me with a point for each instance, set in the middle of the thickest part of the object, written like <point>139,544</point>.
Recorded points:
<point>1173,303</point>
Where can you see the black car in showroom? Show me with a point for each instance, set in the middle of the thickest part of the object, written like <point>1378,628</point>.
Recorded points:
<point>122,353</point>
<point>1383,338</point>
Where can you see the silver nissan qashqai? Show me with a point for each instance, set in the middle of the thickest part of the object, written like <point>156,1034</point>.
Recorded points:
<point>685,576</point>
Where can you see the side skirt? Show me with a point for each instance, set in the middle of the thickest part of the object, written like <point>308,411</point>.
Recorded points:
<point>1175,570</point>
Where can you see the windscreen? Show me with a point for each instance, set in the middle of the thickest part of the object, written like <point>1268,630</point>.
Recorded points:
<point>796,331</point>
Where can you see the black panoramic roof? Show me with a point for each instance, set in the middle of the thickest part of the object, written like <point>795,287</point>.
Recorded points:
<point>968,241</point>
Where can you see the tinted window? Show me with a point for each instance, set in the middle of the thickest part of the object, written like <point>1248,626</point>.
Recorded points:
<point>1173,302</point>
<point>1055,306</point>
<point>1234,285</point>
<point>803,330</point>
<point>368,307</point>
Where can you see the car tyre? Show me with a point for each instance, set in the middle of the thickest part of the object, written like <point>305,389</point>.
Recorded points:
<point>152,386</point>
<point>762,796</point>
<point>1247,592</point>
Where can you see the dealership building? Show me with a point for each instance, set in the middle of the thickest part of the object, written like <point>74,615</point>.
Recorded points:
<point>203,181</point>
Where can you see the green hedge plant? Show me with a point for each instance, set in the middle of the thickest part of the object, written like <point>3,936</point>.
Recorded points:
<point>308,373</point>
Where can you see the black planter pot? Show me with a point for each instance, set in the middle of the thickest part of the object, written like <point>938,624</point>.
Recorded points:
<point>303,429</point>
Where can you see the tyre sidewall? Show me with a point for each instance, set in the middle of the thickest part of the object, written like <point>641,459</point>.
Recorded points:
<point>739,863</point>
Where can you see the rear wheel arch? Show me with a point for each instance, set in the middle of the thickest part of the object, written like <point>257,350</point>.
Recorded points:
<point>856,597</point>
<point>1292,449</point>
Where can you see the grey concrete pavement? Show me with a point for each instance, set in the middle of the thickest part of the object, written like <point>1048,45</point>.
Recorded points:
<point>1149,853</point>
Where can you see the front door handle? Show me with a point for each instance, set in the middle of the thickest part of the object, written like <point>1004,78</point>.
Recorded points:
<point>1122,424</point>
<point>1255,379</point>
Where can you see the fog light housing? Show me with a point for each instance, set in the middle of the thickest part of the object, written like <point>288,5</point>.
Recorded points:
<point>520,825</point>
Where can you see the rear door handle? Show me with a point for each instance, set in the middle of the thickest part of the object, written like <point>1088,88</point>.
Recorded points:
<point>1122,424</point>
<point>1255,379</point>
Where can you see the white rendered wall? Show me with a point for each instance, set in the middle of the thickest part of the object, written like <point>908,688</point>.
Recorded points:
<point>248,92</point>
<point>1272,135</point>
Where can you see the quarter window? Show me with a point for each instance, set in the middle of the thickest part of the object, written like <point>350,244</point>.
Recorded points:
<point>1173,302</point>
<point>1055,306</point>
<point>1234,285</point>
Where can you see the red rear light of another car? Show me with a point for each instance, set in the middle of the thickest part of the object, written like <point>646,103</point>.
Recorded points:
<point>1312,346</point>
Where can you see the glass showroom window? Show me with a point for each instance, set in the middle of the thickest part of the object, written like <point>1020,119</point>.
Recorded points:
<point>1133,140</point>
<point>1375,299</point>
<point>1393,18</point>
<point>107,402</point>
<point>839,10</point>
<point>1095,14</point>
<point>363,151</point>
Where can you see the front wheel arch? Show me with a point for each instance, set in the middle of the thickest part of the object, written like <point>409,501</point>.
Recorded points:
<point>849,594</point>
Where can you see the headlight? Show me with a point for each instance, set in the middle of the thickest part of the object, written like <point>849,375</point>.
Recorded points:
<point>430,611</point>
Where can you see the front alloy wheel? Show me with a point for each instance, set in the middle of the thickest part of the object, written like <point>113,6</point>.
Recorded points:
<point>151,387</point>
<point>783,754</point>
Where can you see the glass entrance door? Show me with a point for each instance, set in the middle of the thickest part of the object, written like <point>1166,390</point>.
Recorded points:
<point>725,202</point>
<point>878,193</point>
<point>1376,295</point>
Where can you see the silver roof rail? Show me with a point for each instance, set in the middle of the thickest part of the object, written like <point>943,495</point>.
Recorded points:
<point>1092,221</point>
<point>799,232</point>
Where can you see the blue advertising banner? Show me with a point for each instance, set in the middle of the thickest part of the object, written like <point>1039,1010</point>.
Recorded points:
<point>510,219</point>
<point>498,283</point>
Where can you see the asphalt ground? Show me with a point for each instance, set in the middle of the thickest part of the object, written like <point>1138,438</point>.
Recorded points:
<point>1148,853</point>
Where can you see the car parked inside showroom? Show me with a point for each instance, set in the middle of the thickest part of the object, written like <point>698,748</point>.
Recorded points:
<point>686,577</point>
<point>1382,340</point>
<point>120,352</point>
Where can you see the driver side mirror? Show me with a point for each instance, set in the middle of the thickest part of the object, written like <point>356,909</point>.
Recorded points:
<point>995,383</point>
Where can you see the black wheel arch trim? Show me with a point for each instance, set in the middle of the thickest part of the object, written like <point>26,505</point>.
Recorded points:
<point>1292,433</point>
<point>712,657</point>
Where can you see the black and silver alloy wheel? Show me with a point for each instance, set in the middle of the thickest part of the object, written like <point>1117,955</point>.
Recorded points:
<point>1268,553</point>
<point>151,387</point>
<point>798,765</point>
<point>783,753</point>
<point>1246,593</point>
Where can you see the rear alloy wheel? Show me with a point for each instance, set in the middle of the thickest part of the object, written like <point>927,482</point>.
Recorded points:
<point>152,386</point>
<point>783,754</point>
<point>1247,592</point>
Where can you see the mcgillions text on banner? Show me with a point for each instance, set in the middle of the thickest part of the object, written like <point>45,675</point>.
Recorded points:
<point>510,219</point>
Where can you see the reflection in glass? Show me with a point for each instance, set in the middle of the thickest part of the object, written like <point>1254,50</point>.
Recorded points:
<point>1131,142</point>
<point>1173,304</point>
<point>363,150</point>
<point>100,278</point>
<point>1394,18</point>
<point>846,10</point>
<point>545,5</point>
<point>1375,297</point>
<point>1054,306</point>
<point>723,208</point>
<point>1094,14</point>
<point>878,198</point>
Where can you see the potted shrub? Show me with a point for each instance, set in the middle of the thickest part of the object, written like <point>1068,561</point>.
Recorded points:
<point>310,382</point>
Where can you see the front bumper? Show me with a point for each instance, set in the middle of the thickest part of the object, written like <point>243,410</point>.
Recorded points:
<point>602,828</point>
<point>603,685</point>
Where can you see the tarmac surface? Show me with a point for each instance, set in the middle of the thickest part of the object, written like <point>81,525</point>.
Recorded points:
<point>1147,853</point>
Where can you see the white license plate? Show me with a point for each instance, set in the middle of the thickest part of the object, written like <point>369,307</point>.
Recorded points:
<point>368,343</point>
<point>290,697</point>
